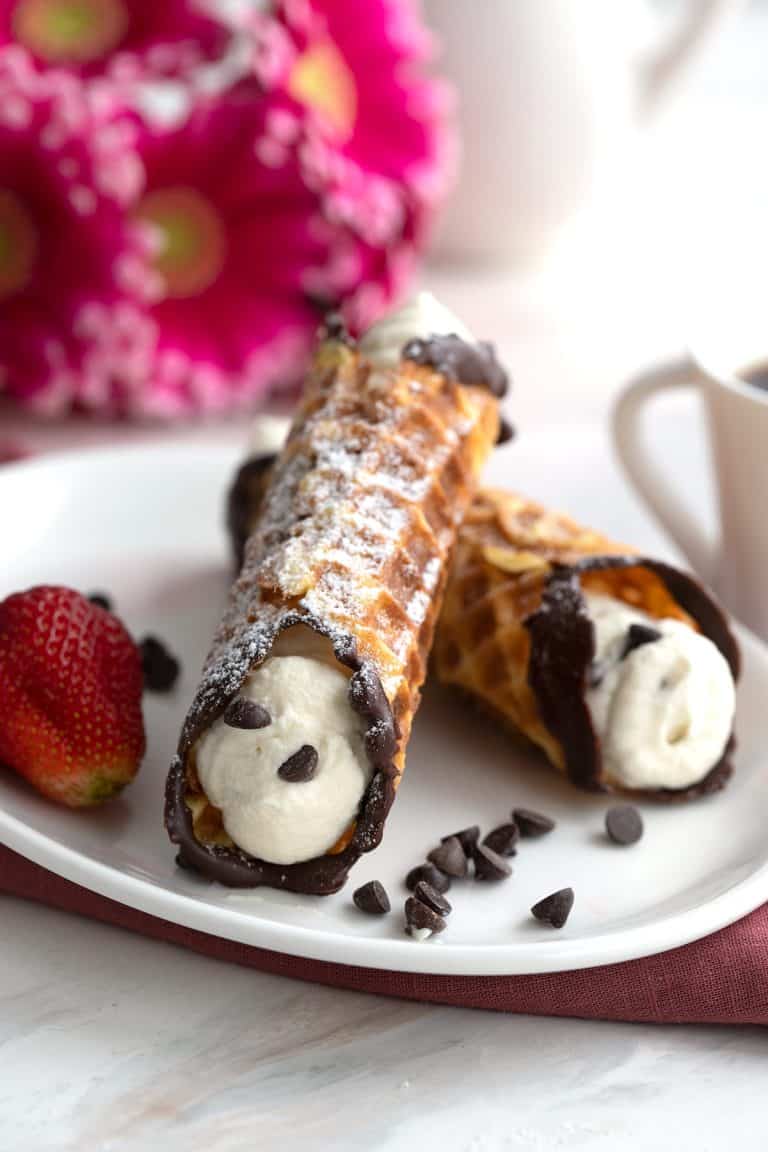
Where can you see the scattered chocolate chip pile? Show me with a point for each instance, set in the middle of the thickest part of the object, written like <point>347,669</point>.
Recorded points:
<point>554,909</point>
<point>246,714</point>
<point>460,853</point>
<point>372,899</point>
<point>299,767</point>
<point>454,858</point>
<point>161,668</point>
<point>624,824</point>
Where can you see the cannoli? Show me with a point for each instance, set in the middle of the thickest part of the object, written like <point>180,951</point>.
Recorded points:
<point>291,754</point>
<point>621,668</point>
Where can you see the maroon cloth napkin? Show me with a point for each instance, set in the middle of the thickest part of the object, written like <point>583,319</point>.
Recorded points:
<point>722,979</point>
<point>11,451</point>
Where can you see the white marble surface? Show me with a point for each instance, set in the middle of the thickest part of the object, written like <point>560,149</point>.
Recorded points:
<point>110,1043</point>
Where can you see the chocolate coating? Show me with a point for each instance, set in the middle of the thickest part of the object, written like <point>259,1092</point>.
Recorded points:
<point>243,498</point>
<point>506,432</point>
<point>471,364</point>
<point>563,648</point>
<point>324,874</point>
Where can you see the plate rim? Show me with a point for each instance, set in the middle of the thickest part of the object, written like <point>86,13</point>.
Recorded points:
<point>440,957</point>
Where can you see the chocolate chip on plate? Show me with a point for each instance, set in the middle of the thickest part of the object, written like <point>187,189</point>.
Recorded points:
<point>637,636</point>
<point>247,714</point>
<point>506,432</point>
<point>421,920</point>
<point>532,823</point>
<point>503,839</point>
<point>489,865</point>
<point>430,875</point>
<point>432,898</point>
<point>161,668</point>
<point>299,767</point>
<point>624,824</point>
<point>554,909</point>
<point>101,600</point>
<point>372,898</point>
<point>449,857</point>
<point>468,837</point>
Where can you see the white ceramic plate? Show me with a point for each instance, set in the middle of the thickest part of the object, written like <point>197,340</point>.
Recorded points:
<point>146,525</point>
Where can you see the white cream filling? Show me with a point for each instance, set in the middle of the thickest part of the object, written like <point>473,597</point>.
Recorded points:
<point>265,815</point>
<point>665,711</point>
<point>268,435</point>
<point>423,316</point>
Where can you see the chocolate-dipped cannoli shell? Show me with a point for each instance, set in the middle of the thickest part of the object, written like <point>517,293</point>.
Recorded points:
<point>358,520</point>
<point>515,633</point>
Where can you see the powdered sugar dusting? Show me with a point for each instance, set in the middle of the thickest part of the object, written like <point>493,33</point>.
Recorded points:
<point>343,537</point>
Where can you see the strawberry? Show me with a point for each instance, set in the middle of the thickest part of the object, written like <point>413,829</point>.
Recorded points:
<point>70,696</point>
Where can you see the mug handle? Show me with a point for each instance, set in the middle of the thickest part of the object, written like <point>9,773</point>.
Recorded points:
<point>693,24</point>
<point>658,493</point>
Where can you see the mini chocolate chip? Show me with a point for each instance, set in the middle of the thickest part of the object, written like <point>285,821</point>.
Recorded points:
<point>532,823</point>
<point>246,714</point>
<point>300,767</point>
<point>489,865</point>
<point>624,824</point>
<point>503,839</point>
<point>637,636</point>
<point>161,668</point>
<point>506,432</point>
<point>468,838</point>
<point>449,857</point>
<point>101,600</point>
<point>419,916</point>
<point>554,909</point>
<point>432,898</point>
<point>372,898</point>
<point>430,875</point>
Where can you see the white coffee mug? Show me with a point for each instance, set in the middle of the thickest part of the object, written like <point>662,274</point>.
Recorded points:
<point>548,89</point>
<point>728,347</point>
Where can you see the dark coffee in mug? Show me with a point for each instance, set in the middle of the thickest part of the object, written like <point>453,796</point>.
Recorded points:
<point>756,375</point>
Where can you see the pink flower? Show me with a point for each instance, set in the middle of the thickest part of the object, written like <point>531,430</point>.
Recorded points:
<point>379,146</point>
<point>67,173</point>
<point>125,38</point>
<point>239,253</point>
